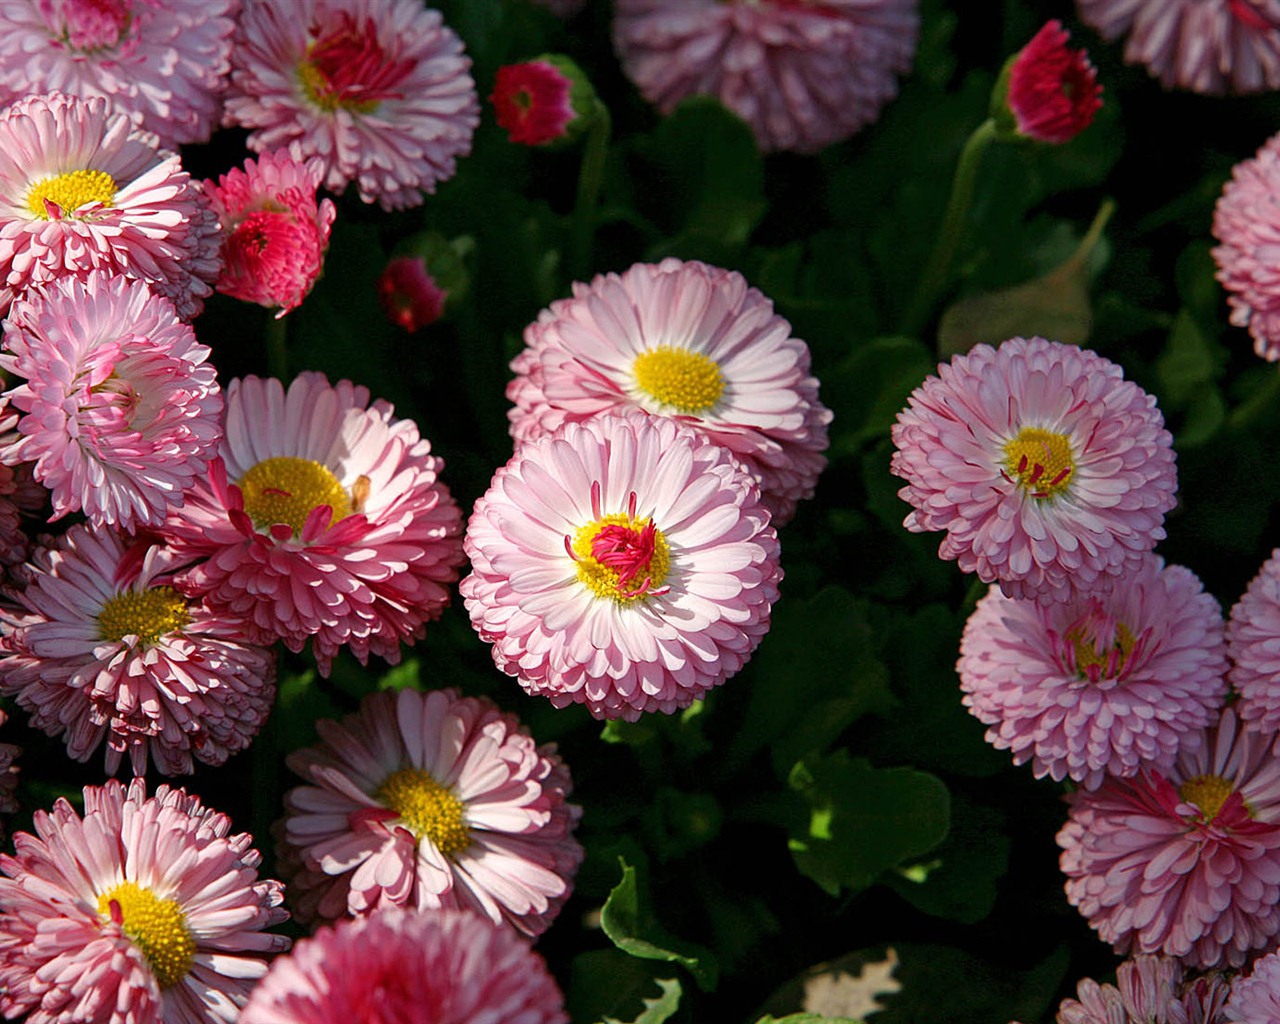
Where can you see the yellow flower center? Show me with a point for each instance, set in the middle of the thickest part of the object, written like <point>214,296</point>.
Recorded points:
<point>146,614</point>
<point>1208,792</point>
<point>1040,461</point>
<point>428,808</point>
<point>286,490</point>
<point>1095,661</point>
<point>156,927</point>
<point>68,192</point>
<point>687,381</point>
<point>621,557</point>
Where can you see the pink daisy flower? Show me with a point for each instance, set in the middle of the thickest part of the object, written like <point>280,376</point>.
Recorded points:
<point>1207,46</point>
<point>624,563</point>
<point>1050,91</point>
<point>1184,863</point>
<point>82,188</point>
<point>322,518</point>
<point>1148,989</point>
<point>683,340</point>
<point>119,407</point>
<point>410,294</point>
<point>139,912</point>
<point>432,800</point>
<point>274,232</point>
<point>399,965</point>
<point>380,91</point>
<point>1049,472</point>
<point>1255,998</point>
<point>1253,645</point>
<point>163,62</point>
<point>1246,222</point>
<point>802,75</point>
<point>534,102</point>
<point>103,648</point>
<point>1097,686</point>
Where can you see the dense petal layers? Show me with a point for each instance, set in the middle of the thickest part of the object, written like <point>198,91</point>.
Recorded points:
<point>1253,645</point>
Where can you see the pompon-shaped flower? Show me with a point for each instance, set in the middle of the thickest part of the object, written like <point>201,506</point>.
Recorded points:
<point>274,232</point>
<point>141,911</point>
<point>802,75</point>
<point>1049,472</point>
<point>83,188</point>
<point>1246,221</point>
<point>163,62</point>
<point>322,518</point>
<point>684,340</point>
<point>380,91</point>
<point>431,800</point>
<point>1148,989</point>
<point>1253,646</point>
<point>625,563</point>
<point>104,650</point>
<point>1207,46</point>
<point>1255,997</point>
<point>400,966</point>
<point>1047,92</point>
<point>120,409</point>
<point>1184,863</point>
<point>1100,685</point>
<point>542,101</point>
<point>410,295</point>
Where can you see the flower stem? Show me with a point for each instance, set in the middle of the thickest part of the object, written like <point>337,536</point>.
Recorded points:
<point>277,336</point>
<point>590,178</point>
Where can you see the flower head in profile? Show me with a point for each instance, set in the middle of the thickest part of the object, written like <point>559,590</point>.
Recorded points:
<point>274,232</point>
<point>625,563</point>
<point>380,92</point>
<point>396,965</point>
<point>688,341</point>
<point>542,101</point>
<point>431,800</point>
<point>1098,686</point>
<point>1148,989</point>
<point>410,295</point>
<point>140,910</point>
<point>1047,92</point>
<point>1048,472</point>
<point>1184,863</point>
<point>1253,645</point>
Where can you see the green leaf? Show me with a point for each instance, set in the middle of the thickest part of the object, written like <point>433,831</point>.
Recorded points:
<point>807,1018</point>
<point>656,1011</point>
<point>1189,363</point>
<point>608,982</point>
<point>870,386</point>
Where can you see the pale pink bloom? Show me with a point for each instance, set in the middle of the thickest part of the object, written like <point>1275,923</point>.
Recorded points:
<point>1255,997</point>
<point>1148,989</point>
<point>140,912</point>
<point>104,650</point>
<point>802,75</point>
<point>410,294</point>
<point>120,409</point>
<point>1049,472</point>
<point>163,62</point>
<point>1100,685</point>
<point>431,800</point>
<point>322,518</point>
<point>684,340</point>
<point>274,233</point>
<point>380,90</point>
<point>1207,46</point>
<point>1253,645</point>
<point>1184,863</point>
<point>398,966</point>
<point>625,563</point>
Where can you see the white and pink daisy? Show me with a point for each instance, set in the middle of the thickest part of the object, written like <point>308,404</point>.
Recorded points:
<point>274,232</point>
<point>431,800</point>
<point>802,74</point>
<point>102,649</point>
<point>1253,645</point>
<point>1048,471</point>
<point>1097,686</point>
<point>1184,863</point>
<point>380,91</point>
<point>119,408</point>
<point>1255,997</point>
<point>322,518</point>
<point>625,563</point>
<point>1148,989</point>
<point>163,62</point>
<point>141,911</point>
<point>1207,46</point>
<point>398,966</point>
<point>688,341</point>
<point>83,188</point>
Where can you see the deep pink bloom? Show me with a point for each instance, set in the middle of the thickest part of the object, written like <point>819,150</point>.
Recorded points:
<point>532,102</point>
<point>1148,989</point>
<point>1051,91</point>
<point>431,800</point>
<point>140,912</point>
<point>1049,472</point>
<point>1253,645</point>
<point>1100,685</point>
<point>120,409</point>
<point>399,966</point>
<point>274,232</point>
<point>684,340</point>
<point>1184,863</point>
<point>1255,997</point>
<point>380,91</point>
<point>322,518</point>
<point>802,75</point>
<point>409,294</point>
<point>1207,46</point>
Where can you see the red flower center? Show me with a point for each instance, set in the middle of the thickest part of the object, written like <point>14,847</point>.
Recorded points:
<point>348,68</point>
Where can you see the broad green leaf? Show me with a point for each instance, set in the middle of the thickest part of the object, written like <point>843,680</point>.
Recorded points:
<point>1189,364</point>
<point>658,1010</point>
<point>868,389</point>
<point>609,983</point>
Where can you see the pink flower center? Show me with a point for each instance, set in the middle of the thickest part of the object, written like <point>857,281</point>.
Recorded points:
<point>348,68</point>
<point>89,25</point>
<point>156,926</point>
<point>1039,461</point>
<point>1208,792</point>
<point>618,555</point>
<point>430,810</point>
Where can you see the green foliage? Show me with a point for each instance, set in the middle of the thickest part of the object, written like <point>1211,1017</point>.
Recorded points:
<point>658,1010</point>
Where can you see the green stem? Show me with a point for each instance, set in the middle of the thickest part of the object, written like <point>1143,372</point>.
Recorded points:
<point>937,270</point>
<point>264,755</point>
<point>277,336</point>
<point>1248,412</point>
<point>590,178</point>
